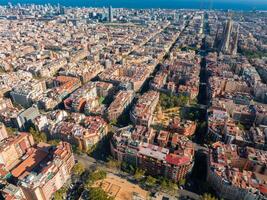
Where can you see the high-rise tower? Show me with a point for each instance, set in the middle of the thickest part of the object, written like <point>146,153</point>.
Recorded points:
<point>110,14</point>
<point>61,10</point>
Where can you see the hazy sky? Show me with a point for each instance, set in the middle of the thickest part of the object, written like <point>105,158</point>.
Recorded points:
<point>198,4</point>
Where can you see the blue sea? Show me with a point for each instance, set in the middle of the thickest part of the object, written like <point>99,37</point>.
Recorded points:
<point>170,4</point>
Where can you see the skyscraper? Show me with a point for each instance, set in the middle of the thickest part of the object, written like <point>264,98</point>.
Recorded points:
<point>110,14</point>
<point>60,9</point>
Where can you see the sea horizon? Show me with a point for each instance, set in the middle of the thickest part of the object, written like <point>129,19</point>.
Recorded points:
<point>244,5</point>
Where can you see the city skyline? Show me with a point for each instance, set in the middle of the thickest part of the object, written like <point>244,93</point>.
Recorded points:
<point>171,4</point>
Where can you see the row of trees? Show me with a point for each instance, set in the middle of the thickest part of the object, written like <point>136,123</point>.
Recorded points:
<point>61,193</point>
<point>140,176</point>
<point>161,183</point>
<point>96,193</point>
<point>151,182</point>
<point>208,197</point>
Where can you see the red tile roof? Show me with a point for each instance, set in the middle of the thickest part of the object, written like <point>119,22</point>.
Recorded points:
<point>27,165</point>
<point>177,160</point>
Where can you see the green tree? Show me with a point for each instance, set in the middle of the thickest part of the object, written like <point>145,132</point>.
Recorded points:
<point>182,182</point>
<point>139,174</point>
<point>191,115</point>
<point>113,122</point>
<point>91,149</point>
<point>38,136</point>
<point>98,194</point>
<point>168,185</point>
<point>11,131</point>
<point>170,101</point>
<point>150,181</point>
<point>95,176</point>
<point>101,100</point>
<point>128,168</point>
<point>163,184</point>
<point>124,166</point>
<point>193,101</point>
<point>131,169</point>
<point>241,126</point>
<point>78,169</point>
<point>113,164</point>
<point>208,197</point>
<point>172,187</point>
<point>60,194</point>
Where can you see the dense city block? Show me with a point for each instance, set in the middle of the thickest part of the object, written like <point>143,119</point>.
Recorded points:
<point>116,103</point>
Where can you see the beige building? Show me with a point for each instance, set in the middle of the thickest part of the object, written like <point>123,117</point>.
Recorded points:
<point>122,100</point>
<point>3,132</point>
<point>13,148</point>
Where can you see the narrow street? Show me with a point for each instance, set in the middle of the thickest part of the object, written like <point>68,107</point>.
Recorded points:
<point>200,169</point>
<point>203,97</point>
